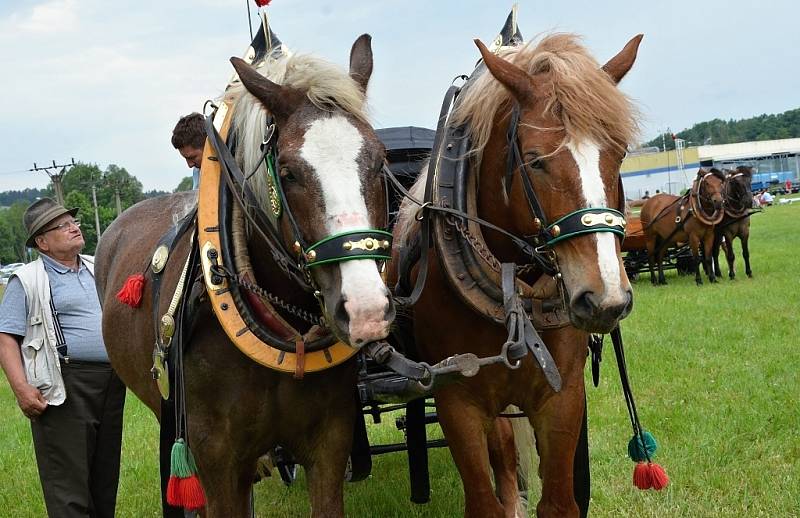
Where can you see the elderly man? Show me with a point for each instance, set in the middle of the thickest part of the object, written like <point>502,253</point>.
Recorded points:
<point>189,137</point>
<point>52,351</point>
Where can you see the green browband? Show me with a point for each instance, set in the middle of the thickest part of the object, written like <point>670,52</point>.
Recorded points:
<point>587,221</point>
<point>350,245</point>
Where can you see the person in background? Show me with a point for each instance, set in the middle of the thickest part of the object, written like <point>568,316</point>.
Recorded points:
<point>788,186</point>
<point>646,195</point>
<point>189,137</point>
<point>52,352</point>
<point>766,199</point>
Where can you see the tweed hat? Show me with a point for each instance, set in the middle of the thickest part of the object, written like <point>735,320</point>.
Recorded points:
<point>39,214</point>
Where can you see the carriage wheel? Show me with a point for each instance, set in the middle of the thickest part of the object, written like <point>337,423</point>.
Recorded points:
<point>417,443</point>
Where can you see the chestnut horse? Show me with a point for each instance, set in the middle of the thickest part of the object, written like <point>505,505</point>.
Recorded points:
<point>573,129</point>
<point>668,219</point>
<point>736,223</point>
<point>328,163</point>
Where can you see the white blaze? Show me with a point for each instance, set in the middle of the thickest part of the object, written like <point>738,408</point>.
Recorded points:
<point>587,156</point>
<point>332,146</point>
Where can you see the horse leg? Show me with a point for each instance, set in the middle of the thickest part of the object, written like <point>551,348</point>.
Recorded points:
<point>730,256</point>
<point>715,253</point>
<point>465,427</point>
<point>662,245</point>
<point>744,238</point>
<point>326,467</point>
<point>503,459</point>
<point>694,244</point>
<point>708,243</point>
<point>652,245</point>
<point>558,426</point>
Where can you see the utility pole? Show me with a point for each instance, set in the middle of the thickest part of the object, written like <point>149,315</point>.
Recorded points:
<point>55,176</point>
<point>96,214</point>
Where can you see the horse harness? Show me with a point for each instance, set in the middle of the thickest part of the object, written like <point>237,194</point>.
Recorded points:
<point>494,289</point>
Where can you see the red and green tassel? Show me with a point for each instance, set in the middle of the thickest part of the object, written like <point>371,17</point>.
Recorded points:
<point>647,474</point>
<point>184,488</point>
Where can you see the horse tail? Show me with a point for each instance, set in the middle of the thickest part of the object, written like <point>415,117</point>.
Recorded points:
<point>527,456</point>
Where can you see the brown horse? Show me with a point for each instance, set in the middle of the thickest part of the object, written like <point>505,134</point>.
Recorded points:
<point>736,223</point>
<point>328,164</point>
<point>669,219</point>
<point>574,126</point>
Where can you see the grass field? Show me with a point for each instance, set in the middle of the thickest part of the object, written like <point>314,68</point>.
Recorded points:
<point>715,375</point>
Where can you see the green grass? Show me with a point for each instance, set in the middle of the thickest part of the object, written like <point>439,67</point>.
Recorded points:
<point>715,375</point>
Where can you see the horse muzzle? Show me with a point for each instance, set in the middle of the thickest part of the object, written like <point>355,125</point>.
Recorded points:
<point>597,314</point>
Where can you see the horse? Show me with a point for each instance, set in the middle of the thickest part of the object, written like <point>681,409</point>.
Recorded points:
<point>327,168</point>
<point>669,219</point>
<point>574,126</point>
<point>736,222</point>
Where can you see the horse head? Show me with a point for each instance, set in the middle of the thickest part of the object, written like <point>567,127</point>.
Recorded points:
<point>574,128</point>
<point>327,167</point>
<point>738,189</point>
<point>708,186</point>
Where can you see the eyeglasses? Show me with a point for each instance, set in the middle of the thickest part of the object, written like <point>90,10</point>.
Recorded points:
<point>64,227</point>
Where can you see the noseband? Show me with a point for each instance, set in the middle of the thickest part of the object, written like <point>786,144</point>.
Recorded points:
<point>698,197</point>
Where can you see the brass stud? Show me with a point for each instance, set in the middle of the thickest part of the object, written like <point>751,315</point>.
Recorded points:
<point>347,245</point>
<point>537,223</point>
<point>386,244</point>
<point>586,219</point>
<point>311,255</point>
<point>609,219</point>
<point>297,247</point>
<point>556,230</point>
<point>369,243</point>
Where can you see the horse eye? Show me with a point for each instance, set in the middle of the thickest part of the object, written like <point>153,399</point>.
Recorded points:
<point>533,160</point>
<point>287,175</point>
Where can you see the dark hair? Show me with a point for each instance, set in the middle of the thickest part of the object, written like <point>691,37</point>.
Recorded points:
<point>189,131</point>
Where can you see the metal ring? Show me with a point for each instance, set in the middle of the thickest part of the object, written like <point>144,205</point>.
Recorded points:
<point>504,356</point>
<point>421,209</point>
<point>208,103</point>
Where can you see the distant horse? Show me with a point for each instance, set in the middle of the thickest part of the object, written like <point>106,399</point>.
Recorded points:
<point>328,162</point>
<point>669,219</point>
<point>736,223</point>
<point>573,129</point>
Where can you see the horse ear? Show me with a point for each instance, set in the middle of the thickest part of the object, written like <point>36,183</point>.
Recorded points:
<point>281,101</point>
<point>518,81</point>
<point>361,61</point>
<point>619,65</point>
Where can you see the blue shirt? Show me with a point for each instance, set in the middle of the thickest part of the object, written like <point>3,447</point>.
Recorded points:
<point>195,178</point>
<point>78,306</point>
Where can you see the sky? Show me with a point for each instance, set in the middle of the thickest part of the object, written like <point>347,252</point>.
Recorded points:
<point>105,82</point>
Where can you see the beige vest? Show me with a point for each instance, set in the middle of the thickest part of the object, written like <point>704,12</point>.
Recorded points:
<point>39,354</point>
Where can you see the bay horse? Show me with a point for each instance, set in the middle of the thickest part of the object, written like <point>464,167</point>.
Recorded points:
<point>668,219</point>
<point>574,126</point>
<point>328,166</point>
<point>736,222</point>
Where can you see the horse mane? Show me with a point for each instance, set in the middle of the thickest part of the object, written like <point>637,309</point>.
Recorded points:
<point>327,86</point>
<point>579,93</point>
<point>716,172</point>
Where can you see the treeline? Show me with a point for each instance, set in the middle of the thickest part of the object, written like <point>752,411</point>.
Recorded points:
<point>115,189</point>
<point>717,131</point>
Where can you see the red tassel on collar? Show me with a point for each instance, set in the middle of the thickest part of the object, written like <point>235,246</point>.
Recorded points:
<point>131,292</point>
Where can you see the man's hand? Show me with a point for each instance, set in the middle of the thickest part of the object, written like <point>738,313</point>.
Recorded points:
<point>30,400</point>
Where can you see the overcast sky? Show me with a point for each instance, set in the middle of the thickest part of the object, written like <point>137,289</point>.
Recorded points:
<point>104,82</point>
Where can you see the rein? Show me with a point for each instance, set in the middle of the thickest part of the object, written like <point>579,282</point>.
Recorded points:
<point>696,199</point>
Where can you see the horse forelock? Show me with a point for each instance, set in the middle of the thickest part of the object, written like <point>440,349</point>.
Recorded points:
<point>407,225</point>
<point>577,92</point>
<point>327,86</point>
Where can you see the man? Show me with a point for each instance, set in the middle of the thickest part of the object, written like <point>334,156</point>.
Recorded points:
<point>52,352</point>
<point>189,138</point>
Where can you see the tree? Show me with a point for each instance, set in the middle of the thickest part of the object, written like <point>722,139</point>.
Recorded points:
<point>185,185</point>
<point>13,233</point>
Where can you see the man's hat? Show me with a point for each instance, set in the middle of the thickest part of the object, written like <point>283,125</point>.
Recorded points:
<point>39,214</point>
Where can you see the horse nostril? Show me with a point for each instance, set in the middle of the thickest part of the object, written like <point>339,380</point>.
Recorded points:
<point>340,315</point>
<point>629,304</point>
<point>584,304</point>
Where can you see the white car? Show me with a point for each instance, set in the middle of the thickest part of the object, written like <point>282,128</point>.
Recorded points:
<point>7,270</point>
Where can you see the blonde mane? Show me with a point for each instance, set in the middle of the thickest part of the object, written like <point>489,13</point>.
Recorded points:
<point>326,85</point>
<point>579,93</point>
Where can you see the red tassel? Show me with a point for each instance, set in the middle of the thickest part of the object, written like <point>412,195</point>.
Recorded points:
<point>173,492</point>
<point>192,494</point>
<point>262,3</point>
<point>131,292</point>
<point>658,476</point>
<point>647,475</point>
<point>641,476</point>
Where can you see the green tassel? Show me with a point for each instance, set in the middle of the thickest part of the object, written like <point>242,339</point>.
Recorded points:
<point>636,450</point>
<point>181,460</point>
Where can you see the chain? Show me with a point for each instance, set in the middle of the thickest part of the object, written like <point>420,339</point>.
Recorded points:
<point>300,313</point>
<point>480,248</point>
